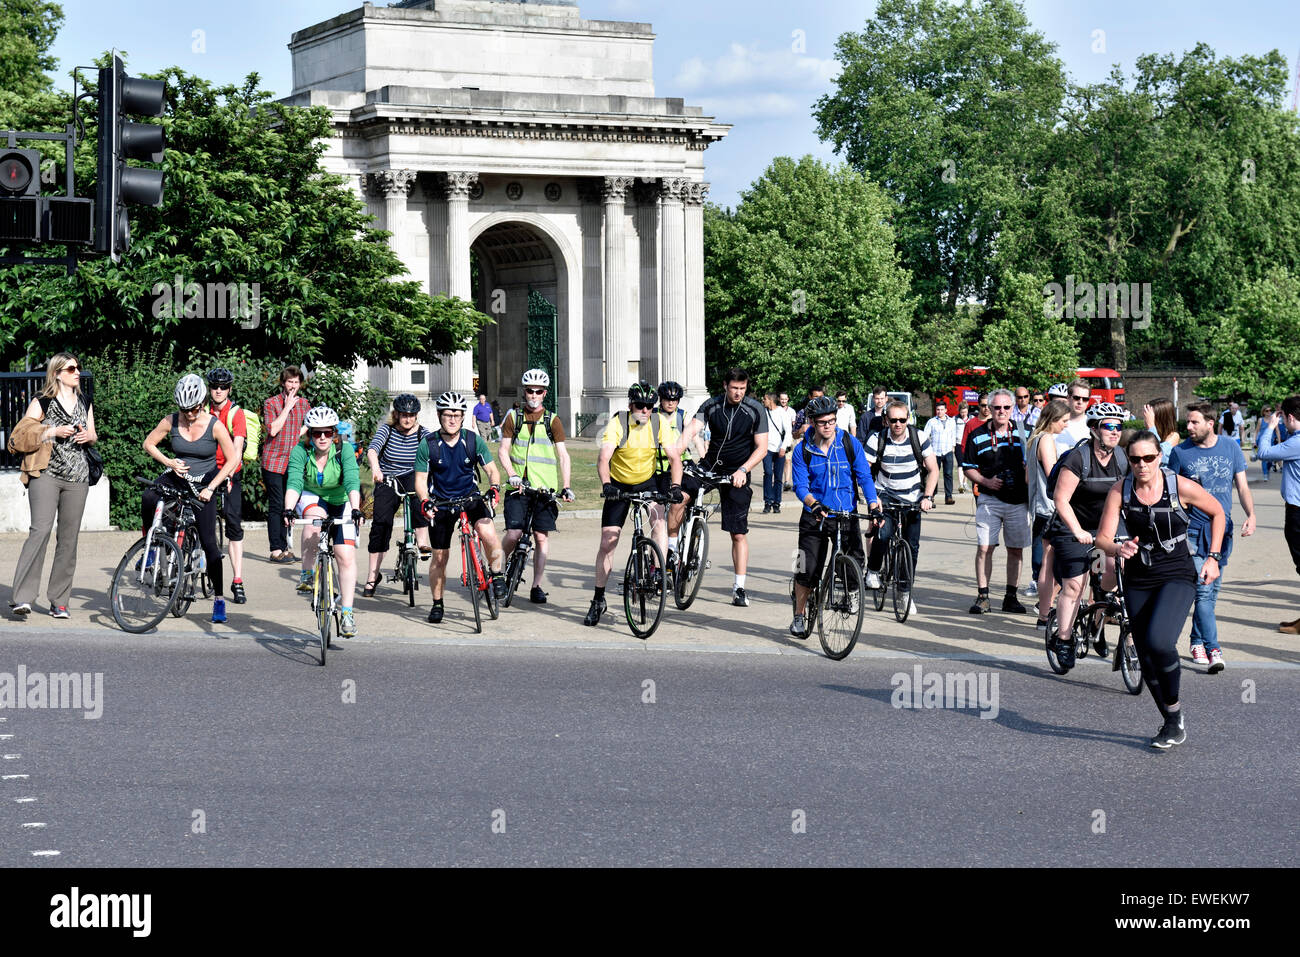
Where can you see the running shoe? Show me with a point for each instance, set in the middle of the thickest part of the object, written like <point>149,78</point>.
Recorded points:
<point>59,611</point>
<point>1041,625</point>
<point>1032,589</point>
<point>872,580</point>
<point>799,627</point>
<point>435,615</point>
<point>1172,732</point>
<point>347,625</point>
<point>305,582</point>
<point>739,598</point>
<point>22,610</point>
<point>1216,661</point>
<point>597,609</point>
<point>499,585</point>
<point>218,610</point>
<point>1199,656</point>
<point>237,593</point>
<point>981,605</point>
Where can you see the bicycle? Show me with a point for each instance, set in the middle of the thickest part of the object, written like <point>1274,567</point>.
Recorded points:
<point>325,602</point>
<point>687,565</point>
<point>1090,626</point>
<point>643,576</point>
<point>898,566</point>
<point>837,599</point>
<point>517,563</point>
<point>408,551</point>
<point>473,558</point>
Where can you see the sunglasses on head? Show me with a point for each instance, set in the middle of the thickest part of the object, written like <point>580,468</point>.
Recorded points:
<point>1111,426</point>
<point>1145,459</point>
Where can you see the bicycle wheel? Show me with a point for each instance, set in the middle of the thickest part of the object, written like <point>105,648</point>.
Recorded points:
<point>1082,633</point>
<point>490,591</point>
<point>515,572</point>
<point>323,602</point>
<point>1053,656</point>
<point>141,597</point>
<point>410,577</point>
<point>691,572</point>
<point>845,601</point>
<point>471,582</point>
<point>190,579</point>
<point>886,573</point>
<point>903,572</point>
<point>1130,665</point>
<point>643,588</point>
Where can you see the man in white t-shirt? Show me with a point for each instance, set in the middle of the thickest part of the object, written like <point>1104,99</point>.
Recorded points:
<point>783,406</point>
<point>844,417</point>
<point>1079,398</point>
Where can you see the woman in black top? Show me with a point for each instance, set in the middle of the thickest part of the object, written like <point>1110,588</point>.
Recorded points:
<point>1159,574</point>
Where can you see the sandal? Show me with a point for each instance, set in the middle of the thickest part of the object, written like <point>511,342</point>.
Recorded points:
<point>371,585</point>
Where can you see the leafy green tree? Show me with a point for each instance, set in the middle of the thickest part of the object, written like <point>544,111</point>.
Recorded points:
<point>1255,353</point>
<point>803,284</point>
<point>27,97</point>
<point>1024,344</point>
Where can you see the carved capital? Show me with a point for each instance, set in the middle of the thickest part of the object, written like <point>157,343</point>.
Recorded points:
<point>615,188</point>
<point>390,182</point>
<point>458,184</point>
<point>695,194</point>
<point>673,190</point>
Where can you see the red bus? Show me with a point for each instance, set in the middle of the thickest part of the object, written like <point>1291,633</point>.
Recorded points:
<point>1106,386</point>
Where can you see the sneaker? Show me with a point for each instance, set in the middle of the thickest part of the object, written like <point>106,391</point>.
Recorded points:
<point>1065,652</point>
<point>981,605</point>
<point>237,593</point>
<point>218,610</point>
<point>1041,625</point>
<point>348,625</point>
<point>1012,604</point>
<point>1216,662</point>
<point>597,609</point>
<point>767,508</point>
<point>739,598</point>
<point>1199,656</point>
<point>537,596</point>
<point>1032,589</point>
<point>776,508</point>
<point>59,611</point>
<point>1172,732</point>
<point>435,615</point>
<point>799,627</point>
<point>305,582</point>
<point>499,586</point>
<point>23,610</point>
<point>911,605</point>
<point>872,580</point>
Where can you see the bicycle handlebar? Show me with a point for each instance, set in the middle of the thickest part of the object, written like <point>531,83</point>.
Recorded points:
<point>653,498</point>
<point>705,476</point>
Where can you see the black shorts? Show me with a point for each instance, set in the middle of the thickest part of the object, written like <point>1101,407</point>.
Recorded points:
<point>444,523</point>
<point>1069,558</point>
<point>814,544</point>
<point>614,511</point>
<point>691,487</point>
<point>735,507</point>
<point>232,505</point>
<point>544,516</point>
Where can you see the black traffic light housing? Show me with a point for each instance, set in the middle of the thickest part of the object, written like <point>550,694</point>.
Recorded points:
<point>119,141</point>
<point>20,185</point>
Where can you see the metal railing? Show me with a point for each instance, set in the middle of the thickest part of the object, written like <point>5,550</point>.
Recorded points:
<point>17,389</point>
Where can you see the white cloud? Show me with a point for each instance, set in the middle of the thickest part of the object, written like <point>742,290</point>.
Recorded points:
<point>764,105</point>
<point>748,65</point>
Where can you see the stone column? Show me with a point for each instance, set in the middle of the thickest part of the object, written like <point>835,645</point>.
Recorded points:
<point>620,329</point>
<point>459,368</point>
<point>672,231</point>
<point>649,342</point>
<point>393,186</point>
<point>693,215</point>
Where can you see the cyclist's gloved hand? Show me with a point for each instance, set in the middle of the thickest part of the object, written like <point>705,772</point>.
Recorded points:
<point>567,494</point>
<point>428,508</point>
<point>357,516</point>
<point>494,494</point>
<point>288,519</point>
<point>819,510</point>
<point>516,481</point>
<point>675,494</point>
<point>609,490</point>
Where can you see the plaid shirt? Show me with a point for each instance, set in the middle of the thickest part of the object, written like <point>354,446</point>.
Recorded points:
<point>276,449</point>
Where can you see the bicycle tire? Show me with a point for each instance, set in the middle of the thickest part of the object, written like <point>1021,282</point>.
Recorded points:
<point>903,570</point>
<point>1130,664</point>
<point>322,601</point>
<point>687,583</point>
<point>471,582</point>
<point>515,572</point>
<point>840,621</point>
<point>489,585</point>
<point>191,574</point>
<point>640,593</point>
<point>139,604</point>
<point>411,578</point>
<point>1082,632</point>
<point>886,575</point>
<point>1050,636</point>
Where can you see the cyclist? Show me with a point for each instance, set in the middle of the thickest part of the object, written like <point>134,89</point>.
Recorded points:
<point>391,454</point>
<point>1160,586</point>
<point>738,441</point>
<point>195,436</point>
<point>898,457</point>
<point>323,481</point>
<point>220,382</point>
<point>670,401</point>
<point>532,450</point>
<point>830,468</point>
<point>446,466</point>
<point>629,449</point>
<point>1084,477</point>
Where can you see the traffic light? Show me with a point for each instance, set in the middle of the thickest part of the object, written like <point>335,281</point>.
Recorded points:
<point>120,140</point>
<point>20,175</point>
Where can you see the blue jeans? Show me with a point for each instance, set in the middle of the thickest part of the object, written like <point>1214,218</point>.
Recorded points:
<point>1205,630</point>
<point>946,461</point>
<point>773,475</point>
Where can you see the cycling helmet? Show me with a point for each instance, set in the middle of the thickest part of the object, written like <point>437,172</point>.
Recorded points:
<point>220,379</point>
<point>1059,391</point>
<point>822,405</point>
<point>641,392</point>
<point>536,377</point>
<point>668,391</point>
<point>406,404</point>
<point>451,402</point>
<point>321,417</point>
<point>1106,410</point>
<point>190,391</point>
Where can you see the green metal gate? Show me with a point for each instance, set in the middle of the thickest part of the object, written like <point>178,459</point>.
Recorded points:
<point>542,352</point>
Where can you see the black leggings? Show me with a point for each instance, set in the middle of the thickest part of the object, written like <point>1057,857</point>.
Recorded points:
<point>207,518</point>
<point>1158,615</point>
<point>386,504</point>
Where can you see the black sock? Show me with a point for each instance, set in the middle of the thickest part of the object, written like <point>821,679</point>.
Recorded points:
<point>984,592</point>
<point>437,603</point>
<point>600,594</point>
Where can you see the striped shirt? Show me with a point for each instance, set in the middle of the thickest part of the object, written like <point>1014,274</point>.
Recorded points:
<point>900,472</point>
<point>399,457</point>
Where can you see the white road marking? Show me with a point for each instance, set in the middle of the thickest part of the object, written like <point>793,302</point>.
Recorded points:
<point>5,737</point>
<point>45,853</point>
<point>24,800</point>
<point>12,777</point>
<point>35,824</point>
<point>11,757</point>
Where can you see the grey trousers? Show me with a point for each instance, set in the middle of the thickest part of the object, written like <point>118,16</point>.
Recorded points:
<point>47,497</point>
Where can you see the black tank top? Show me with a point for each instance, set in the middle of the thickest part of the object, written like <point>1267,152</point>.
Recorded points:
<point>1163,554</point>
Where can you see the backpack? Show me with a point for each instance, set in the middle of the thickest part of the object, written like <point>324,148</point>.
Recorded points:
<point>622,421</point>
<point>1120,457</point>
<point>849,455</point>
<point>546,424</point>
<point>1175,502</point>
<point>253,426</point>
<point>915,437</point>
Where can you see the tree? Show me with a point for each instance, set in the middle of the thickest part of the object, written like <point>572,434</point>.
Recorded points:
<point>1024,344</point>
<point>1255,352</point>
<point>803,284</point>
<point>27,97</point>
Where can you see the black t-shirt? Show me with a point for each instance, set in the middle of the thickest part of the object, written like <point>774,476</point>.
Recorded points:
<point>731,431</point>
<point>1089,499</point>
<point>1150,525</point>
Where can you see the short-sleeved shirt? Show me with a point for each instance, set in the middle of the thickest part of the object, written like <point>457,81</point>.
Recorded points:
<point>1215,469</point>
<point>396,451</point>
<point>455,474</point>
<point>732,429</point>
<point>483,412</point>
<point>900,472</point>
<point>1072,435</point>
<point>844,417</point>
<point>236,425</point>
<point>635,462</point>
<point>1089,498</point>
<point>998,456</point>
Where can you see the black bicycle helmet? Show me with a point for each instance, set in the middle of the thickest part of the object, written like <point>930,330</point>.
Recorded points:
<point>822,405</point>
<point>641,392</point>
<point>668,391</point>
<point>221,379</point>
<point>406,404</point>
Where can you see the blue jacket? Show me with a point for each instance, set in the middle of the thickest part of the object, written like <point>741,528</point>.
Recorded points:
<point>827,476</point>
<point>1288,454</point>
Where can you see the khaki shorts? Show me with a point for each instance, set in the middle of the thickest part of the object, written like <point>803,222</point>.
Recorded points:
<point>992,517</point>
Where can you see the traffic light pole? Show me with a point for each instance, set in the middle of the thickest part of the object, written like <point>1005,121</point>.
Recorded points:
<point>69,140</point>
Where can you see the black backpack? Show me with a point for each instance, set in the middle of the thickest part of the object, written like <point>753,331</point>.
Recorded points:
<point>913,435</point>
<point>849,454</point>
<point>1086,464</point>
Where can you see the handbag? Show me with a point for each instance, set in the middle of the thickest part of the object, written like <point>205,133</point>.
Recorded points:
<point>94,463</point>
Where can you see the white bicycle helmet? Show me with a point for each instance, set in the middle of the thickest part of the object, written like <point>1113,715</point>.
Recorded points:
<point>451,402</point>
<point>190,391</point>
<point>1059,391</point>
<point>536,377</point>
<point>321,417</point>
<point>1106,410</point>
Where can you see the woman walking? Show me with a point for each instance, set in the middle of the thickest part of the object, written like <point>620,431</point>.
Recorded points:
<point>1162,419</point>
<point>53,433</point>
<point>1040,458</point>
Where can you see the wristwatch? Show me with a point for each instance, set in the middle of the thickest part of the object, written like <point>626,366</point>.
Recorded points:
<point>1217,556</point>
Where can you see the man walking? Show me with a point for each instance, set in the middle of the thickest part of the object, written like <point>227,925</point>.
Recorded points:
<point>1024,415</point>
<point>941,431</point>
<point>994,460</point>
<point>844,414</point>
<point>783,406</point>
<point>873,417</point>
<point>282,417</point>
<point>1287,453</point>
<point>1076,429</point>
<point>485,419</point>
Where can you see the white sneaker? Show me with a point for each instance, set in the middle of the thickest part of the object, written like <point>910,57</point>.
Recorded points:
<point>872,580</point>
<point>1199,656</point>
<point>1032,589</point>
<point>911,607</point>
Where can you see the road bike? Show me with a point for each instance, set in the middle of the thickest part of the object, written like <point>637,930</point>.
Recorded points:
<point>898,566</point>
<point>475,574</point>
<point>1090,622</point>
<point>643,576</point>
<point>408,550</point>
<point>837,599</point>
<point>517,563</point>
<point>687,565</point>
<point>325,602</point>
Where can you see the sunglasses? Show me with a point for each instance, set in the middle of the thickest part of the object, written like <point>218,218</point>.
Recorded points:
<point>534,392</point>
<point>322,433</point>
<point>1111,426</point>
<point>1080,398</point>
<point>639,406</point>
<point>897,421</point>
<point>194,411</point>
<point>72,367</point>
<point>1000,408</point>
<point>1038,398</point>
<point>1145,459</point>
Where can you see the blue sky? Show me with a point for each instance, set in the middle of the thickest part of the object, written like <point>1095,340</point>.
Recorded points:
<point>733,58</point>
